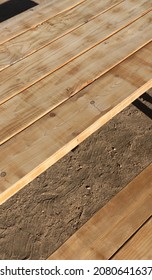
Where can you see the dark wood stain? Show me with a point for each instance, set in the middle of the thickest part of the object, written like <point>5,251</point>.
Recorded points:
<point>52,115</point>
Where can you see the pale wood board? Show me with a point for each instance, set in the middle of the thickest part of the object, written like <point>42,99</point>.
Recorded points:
<point>42,35</point>
<point>113,225</point>
<point>33,17</point>
<point>36,67</point>
<point>27,107</point>
<point>139,247</point>
<point>43,1</point>
<point>36,148</point>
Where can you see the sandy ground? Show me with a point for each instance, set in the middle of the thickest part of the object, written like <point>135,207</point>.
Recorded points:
<point>37,220</point>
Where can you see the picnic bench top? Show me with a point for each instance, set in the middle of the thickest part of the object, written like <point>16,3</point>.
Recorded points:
<point>66,68</point>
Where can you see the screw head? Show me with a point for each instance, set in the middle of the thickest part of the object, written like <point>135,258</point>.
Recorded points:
<point>3,174</point>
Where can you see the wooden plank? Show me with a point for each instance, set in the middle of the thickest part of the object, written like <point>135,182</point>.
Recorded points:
<point>27,107</point>
<point>139,247</point>
<point>42,1</point>
<point>36,148</point>
<point>33,17</point>
<point>36,38</point>
<point>107,230</point>
<point>30,70</point>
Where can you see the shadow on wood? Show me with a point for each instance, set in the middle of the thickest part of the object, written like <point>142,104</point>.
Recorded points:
<point>12,8</point>
<point>142,107</point>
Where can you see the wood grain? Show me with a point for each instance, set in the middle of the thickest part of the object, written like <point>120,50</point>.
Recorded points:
<point>113,225</point>
<point>27,107</point>
<point>33,17</point>
<point>139,247</point>
<point>42,35</point>
<point>36,148</point>
<point>36,67</point>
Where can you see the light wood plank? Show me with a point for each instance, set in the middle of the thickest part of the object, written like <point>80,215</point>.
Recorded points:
<point>43,1</point>
<point>107,230</point>
<point>33,17</point>
<point>36,38</point>
<point>33,150</point>
<point>47,60</point>
<point>27,107</point>
<point>139,247</point>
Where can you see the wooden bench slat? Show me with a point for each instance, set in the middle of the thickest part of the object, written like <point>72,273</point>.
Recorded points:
<point>36,148</point>
<point>139,247</point>
<point>27,107</point>
<point>33,17</point>
<point>30,70</point>
<point>113,225</point>
<point>37,38</point>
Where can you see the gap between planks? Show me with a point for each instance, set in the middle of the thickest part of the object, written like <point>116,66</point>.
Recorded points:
<point>33,17</point>
<point>41,64</point>
<point>139,246</point>
<point>113,225</point>
<point>36,148</point>
<point>37,38</point>
<point>32,104</point>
